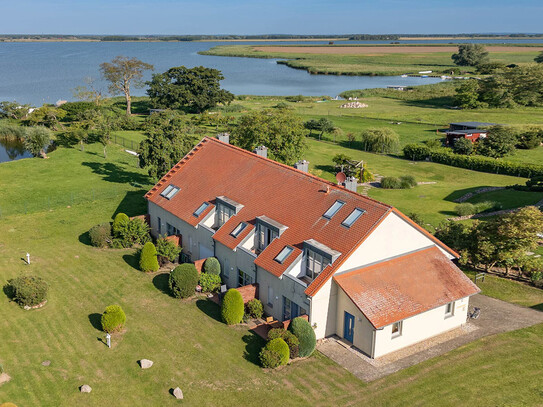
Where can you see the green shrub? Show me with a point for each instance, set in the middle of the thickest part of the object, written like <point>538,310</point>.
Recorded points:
<point>133,232</point>
<point>305,334</point>
<point>255,308</point>
<point>463,146</point>
<point>37,139</point>
<point>113,319</point>
<point>183,280</point>
<point>407,181</point>
<point>100,235</point>
<point>232,307</point>
<point>75,109</point>
<point>275,353</point>
<point>12,132</point>
<point>148,258</point>
<point>28,290</point>
<point>210,283</point>
<point>382,140</point>
<point>296,98</point>
<point>167,249</point>
<point>487,206</point>
<point>212,266</point>
<point>391,183</point>
<point>465,209</point>
<point>291,340</point>
<point>120,224</point>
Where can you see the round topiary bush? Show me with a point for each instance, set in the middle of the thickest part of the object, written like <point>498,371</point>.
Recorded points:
<point>275,353</point>
<point>305,334</point>
<point>212,266</point>
<point>148,258</point>
<point>120,223</point>
<point>28,291</point>
<point>113,319</point>
<point>232,307</point>
<point>183,280</point>
<point>100,235</point>
<point>255,308</point>
<point>291,340</point>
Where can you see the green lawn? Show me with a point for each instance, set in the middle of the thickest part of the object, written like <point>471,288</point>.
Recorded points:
<point>366,64</point>
<point>212,363</point>
<point>509,198</point>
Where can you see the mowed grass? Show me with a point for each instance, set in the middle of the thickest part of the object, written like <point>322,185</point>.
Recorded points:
<point>212,363</point>
<point>375,63</point>
<point>434,202</point>
<point>509,198</point>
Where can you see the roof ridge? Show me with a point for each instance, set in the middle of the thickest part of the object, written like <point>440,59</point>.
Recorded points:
<point>297,171</point>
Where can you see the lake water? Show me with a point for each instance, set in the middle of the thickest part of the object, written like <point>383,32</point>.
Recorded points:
<point>38,73</point>
<point>12,150</point>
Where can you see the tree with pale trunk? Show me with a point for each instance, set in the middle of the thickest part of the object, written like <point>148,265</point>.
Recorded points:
<point>122,73</point>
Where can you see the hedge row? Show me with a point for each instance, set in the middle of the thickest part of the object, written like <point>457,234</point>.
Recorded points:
<point>420,152</point>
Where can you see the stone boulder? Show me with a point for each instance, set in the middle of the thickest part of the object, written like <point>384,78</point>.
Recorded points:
<point>85,388</point>
<point>146,363</point>
<point>178,393</point>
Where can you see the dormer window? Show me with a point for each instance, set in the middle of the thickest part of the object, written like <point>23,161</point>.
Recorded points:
<point>239,228</point>
<point>333,209</point>
<point>266,230</point>
<point>283,254</point>
<point>226,208</point>
<point>201,209</point>
<point>170,191</point>
<point>351,219</point>
<point>317,257</point>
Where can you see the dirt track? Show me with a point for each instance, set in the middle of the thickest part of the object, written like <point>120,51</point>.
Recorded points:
<point>368,50</point>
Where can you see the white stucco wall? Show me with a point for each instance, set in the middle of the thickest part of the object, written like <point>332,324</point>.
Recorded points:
<point>363,330</point>
<point>420,327</point>
<point>323,310</point>
<point>393,237</point>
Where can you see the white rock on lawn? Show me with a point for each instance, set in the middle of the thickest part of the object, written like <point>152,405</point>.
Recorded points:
<point>86,388</point>
<point>146,363</point>
<point>177,393</point>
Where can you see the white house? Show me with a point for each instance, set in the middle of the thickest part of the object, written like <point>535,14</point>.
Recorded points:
<point>357,267</point>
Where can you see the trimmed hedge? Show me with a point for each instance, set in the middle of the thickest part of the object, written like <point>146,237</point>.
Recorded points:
<point>210,283</point>
<point>291,340</point>
<point>275,353</point>
<point>305,334</point>
<point>100,235</point>
<point>212,266</point>
<point>28,290</point>
<point>255,309</point>
<point>113,318</point>
<point>232,307</point>
<point>183,280</point>
<point>420,152</point>
<point>148,258</point>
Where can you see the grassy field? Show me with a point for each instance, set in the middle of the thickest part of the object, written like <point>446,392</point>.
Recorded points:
<point>212,363</point>
<point>371,60</point>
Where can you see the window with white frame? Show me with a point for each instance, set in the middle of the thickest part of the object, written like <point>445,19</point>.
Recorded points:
<point>397,329</point>
<point>315,263</point>
<point>449,310</point>
<point>270,296</point>
<point>223,214</point>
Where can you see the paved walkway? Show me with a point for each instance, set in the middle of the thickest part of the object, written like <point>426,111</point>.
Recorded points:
<point>496,317</point>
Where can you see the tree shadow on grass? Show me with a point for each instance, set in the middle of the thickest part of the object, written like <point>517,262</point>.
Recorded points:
<point>133,260</point>
<point>112,172</point>
<point>253,345</point>
<point>209,308</point>
<point>133,203</point>
<point>85,238</point>
<point>95,320</point>
<point>8,291</point>
<point>538,307</point>
<point>160,281</point>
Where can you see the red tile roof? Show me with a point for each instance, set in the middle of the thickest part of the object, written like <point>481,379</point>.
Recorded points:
<point>289,196</point>
<point>399,288</point>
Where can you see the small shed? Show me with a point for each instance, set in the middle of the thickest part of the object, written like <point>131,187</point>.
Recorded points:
<point>469,130</point>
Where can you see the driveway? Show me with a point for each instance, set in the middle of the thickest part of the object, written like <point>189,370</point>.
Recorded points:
<point>496,317</point>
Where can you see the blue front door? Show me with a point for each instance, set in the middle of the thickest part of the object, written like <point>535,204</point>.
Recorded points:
<point>348,327</point>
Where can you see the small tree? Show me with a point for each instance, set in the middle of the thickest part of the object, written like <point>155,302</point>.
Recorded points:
<point>148,258</point>
<point>463,146</point>
<point>470,55</point>
<point>113,319</point>
<point>36,141</point>
<point>305,334</point>
<point>13,110</point>
<point>232,307</point>
<point>500,142</point>
<point>212,266</point>
<point>120,223</point>
<point>167,249</point>
<point>183,280</point>
<point>254,308</point>
<point>382,140</point>
<point>121,73</point>
<point>47,116</point>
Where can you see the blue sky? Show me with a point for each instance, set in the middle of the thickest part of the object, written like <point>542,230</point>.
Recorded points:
<point>270,16</point>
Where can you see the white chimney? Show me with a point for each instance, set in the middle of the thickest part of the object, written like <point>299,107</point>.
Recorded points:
<point>302,165</point>
<point>262,151</point>
<point>224,137</point>
<point>351,183</point>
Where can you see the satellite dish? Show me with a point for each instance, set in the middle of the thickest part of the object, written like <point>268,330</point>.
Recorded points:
<point>341,177</point>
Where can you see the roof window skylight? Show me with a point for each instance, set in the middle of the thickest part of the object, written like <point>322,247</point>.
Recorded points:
<point>170,191</point>
<point>333,209</point>
<point>349,220</point>
<point>239,228</point>
<point>282,256</point>
<point>201,209</point>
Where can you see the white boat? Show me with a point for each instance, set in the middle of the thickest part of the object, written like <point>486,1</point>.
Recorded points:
<point>425,72</point>
<point>404,76</point>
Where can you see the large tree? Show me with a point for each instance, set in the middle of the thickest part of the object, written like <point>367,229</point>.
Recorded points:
<point>122,73</point>
<point>168,140</point>
<point>470,55</point>
<point>501,141</point>
<point>193,89</point>
<point>539,58</point>
<point>13,110</point>
<point>281,131</point>
<point>324,125</point>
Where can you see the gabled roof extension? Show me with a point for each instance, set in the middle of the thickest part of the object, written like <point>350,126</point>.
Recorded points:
<point>404,286</point>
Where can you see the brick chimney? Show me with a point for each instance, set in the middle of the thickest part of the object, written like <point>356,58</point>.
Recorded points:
<point>302,165</point>
<point>351,183</point>
<point>224,137</point>
<point>262,151</point>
